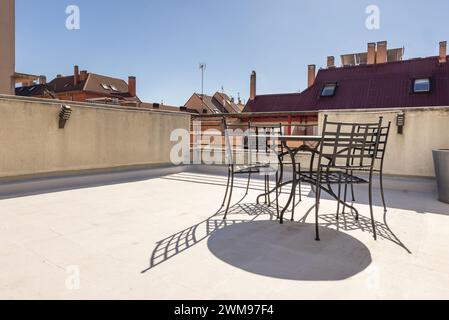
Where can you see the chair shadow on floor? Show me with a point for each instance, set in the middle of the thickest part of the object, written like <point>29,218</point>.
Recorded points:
<point>263,246</point>
<point>183,240</point>
<point>348,222</point>
<point>289,251</point>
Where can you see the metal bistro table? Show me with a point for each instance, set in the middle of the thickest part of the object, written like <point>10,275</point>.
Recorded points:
<point>309,144</point>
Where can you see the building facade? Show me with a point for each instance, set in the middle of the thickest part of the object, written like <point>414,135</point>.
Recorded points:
<point>7,47</point>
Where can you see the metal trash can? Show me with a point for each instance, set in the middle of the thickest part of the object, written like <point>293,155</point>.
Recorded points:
<point>441,160</point>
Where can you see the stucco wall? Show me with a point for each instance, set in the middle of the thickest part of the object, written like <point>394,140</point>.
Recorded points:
<point>95,137</point>
<point>7,46</point>
<point>409,154</point>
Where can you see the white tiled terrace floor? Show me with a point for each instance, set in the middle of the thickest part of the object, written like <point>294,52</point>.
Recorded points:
<point>157,238</point>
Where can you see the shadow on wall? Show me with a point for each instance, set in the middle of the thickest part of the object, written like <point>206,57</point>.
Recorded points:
<point>290,252</point>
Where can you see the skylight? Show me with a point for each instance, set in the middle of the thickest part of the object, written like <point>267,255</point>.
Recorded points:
<point>114,87</point>
<point>329,90</point>
<point>105,86</point>
<point>421,85</point>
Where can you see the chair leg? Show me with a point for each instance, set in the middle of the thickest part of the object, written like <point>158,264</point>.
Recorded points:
<point>371,206</point>
<point>230,195</point>
<point>382,191</point>
<point>249,182</point>
<point>268,190</point>
<point>265,189</point>
<point>294,204</point>
<point>353,193</point>
<point>227,188</point>
<point>317,212</point>
<point>277,196</point>
<point>299,183</point>
<point>338,202</point>
<point>352,189</point>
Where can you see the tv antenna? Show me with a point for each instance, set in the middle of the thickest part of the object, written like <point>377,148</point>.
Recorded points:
<point>203,68</point>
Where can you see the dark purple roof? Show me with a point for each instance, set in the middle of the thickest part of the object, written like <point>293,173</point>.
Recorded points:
<point>366,86</point>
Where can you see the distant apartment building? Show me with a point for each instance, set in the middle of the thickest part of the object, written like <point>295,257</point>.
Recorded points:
<point>378,78</point>
<point>219,103</point>
<point>83,86</point>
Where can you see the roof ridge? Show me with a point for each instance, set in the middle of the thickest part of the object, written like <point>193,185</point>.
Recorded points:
<point>378,64</point>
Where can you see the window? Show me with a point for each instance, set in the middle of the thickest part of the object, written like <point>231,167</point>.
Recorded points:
<point>114,88</point>
<point>329,90</point>
<point>421,85</point>
<point>105,86</point>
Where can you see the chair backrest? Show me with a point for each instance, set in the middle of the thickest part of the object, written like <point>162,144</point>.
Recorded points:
<point>255,138</point>
<point>228,145</point>
<point>262,134</point>
<point>349,146</point>
<point>383,140</point>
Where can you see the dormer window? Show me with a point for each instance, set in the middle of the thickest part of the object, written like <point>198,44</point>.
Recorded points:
<point>421,85</point>
<point>328,90</point>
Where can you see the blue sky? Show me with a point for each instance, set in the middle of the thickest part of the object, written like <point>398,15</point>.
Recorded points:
<point>161,42</point>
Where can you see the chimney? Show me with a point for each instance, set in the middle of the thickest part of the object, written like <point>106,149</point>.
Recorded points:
<point>42,80</point>
<point>443,51</point>
<point>76,75</point>
<point>371,57</point>
<point>331,62</point>
<point>381,52</point>
<point>132,86</point>
<point>311,75</point>
<point>59,76</point>
<point>83,75</point>
<point>253,86</point>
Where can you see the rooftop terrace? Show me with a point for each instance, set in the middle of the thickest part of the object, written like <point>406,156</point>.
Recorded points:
<point>156,234</point>
<point>97,202</point>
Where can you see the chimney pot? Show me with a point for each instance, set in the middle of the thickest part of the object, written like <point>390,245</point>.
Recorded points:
<point>381,56</point>
<point>42,80</point>
<point>443,51</point>
<point>371,57</point>
<point>132,86</point>
<point>76,75</point>
<point>331,62</point>
<point>311,74</point>
<point>253,86</point>
<point>83,75</point>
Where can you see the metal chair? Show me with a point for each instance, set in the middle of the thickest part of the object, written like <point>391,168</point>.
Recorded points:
<point>380,157</point>
<point>345,148</point>
<point>253,147</point>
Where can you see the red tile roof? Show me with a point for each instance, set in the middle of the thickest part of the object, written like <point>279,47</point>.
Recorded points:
<point>366,86</point>
<point>65,84</point>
